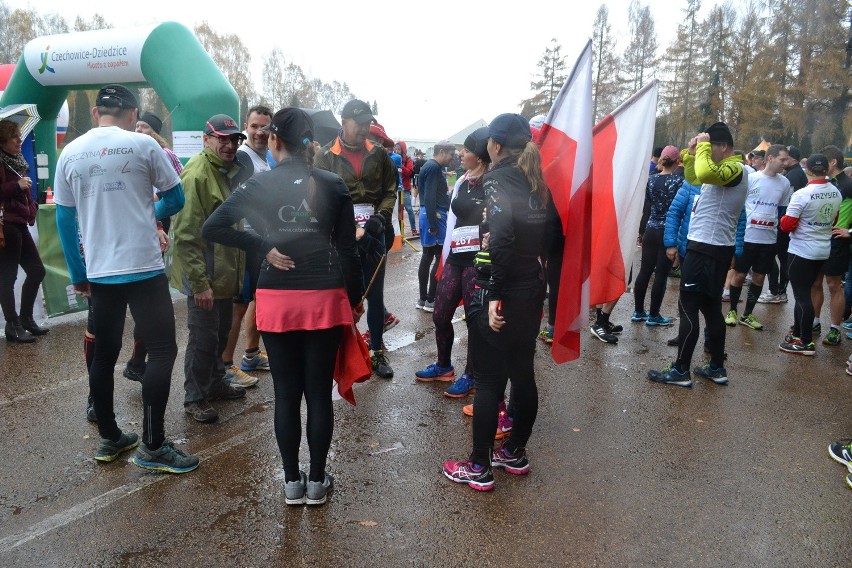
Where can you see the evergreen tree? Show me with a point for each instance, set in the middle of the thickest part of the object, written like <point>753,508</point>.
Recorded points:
<point>549,80</point>
<point>641,53</point>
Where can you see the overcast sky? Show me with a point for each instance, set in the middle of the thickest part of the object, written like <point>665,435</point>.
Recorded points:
<point>433,69</point>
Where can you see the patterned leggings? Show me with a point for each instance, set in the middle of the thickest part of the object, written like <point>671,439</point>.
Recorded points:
<point>456,284</point>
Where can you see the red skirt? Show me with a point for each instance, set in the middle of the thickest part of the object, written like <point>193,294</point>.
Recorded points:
<point>294,310</point>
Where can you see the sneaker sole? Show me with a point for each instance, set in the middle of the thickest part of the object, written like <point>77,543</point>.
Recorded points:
<point>449,395</point>
<point>247,369</point>
<point>154,466</point>
<point>112,457</point>
<point>390,326</point>
<point>295,501</point>
<point>685,383</point>
<point>501,434</point>
<point>657,324</point>
<point>440,378</point>
<point>513,470</point>
<point>430,310</point>
<point>794,352</point>
<point>472,484</point>
<point>465,411</point>
<point>718,381</point>
<point>131,376</point>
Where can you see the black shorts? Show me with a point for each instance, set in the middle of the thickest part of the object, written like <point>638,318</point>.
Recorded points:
<point>703,273</point>
<point>757,257</point>
<point>837,263</point>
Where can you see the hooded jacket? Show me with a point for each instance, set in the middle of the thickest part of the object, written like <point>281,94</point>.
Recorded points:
<point>407,171</point>
<point>199,265</point>
<point>18,206</point>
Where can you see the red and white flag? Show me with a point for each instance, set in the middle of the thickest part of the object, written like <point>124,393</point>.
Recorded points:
<point>622,145</point>
<point>566,152</point>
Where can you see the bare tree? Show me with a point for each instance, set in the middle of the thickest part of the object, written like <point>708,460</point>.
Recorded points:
<point>640,55</point>
<point>607,90</point>
<point>549,80</point>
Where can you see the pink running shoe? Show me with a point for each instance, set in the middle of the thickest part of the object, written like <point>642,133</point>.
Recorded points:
<point>504,426</point>
<point>516,463</point>
<point>481,479</point>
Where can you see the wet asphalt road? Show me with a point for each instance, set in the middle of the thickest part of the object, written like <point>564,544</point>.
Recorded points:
<point>624,471</point>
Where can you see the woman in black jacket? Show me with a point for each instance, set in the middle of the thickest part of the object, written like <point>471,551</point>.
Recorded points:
<point>309,288</point>
<point>506,309</point>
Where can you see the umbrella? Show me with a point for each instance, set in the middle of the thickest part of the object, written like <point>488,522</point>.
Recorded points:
<point>25,115</point>
<point>325,125</point>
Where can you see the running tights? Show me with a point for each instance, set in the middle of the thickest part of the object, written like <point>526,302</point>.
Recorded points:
<point>426,277</point>
<point>302,365</point>
<point>654,261</point>
<point>689,304</point>
<point>803,273</point>
<point>456,285</point>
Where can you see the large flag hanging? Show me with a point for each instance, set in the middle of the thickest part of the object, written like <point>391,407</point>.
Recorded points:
<point>566,152</point>
<point>622,145</point>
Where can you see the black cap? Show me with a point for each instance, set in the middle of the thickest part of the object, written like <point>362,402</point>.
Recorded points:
<point>510,130</point>
<point>359,111</point>
<point>293,126</point>
<point>222,125</point>
<point>794,153</point>
<point>720,134</point>
<point>116,96</point>
<point>818,164</point>
<point>151,120</point>
<point>477,142</point>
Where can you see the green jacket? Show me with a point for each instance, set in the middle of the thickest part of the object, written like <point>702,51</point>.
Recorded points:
<point>377,184</point>
<point>199,265</point>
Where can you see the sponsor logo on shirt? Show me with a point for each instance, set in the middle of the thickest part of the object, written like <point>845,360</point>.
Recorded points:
<point>103,152</point>
<point>114,186</point>
<point>96,170</point>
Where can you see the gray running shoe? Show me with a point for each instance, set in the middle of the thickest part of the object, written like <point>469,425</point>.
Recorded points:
<point>166,458</point>
<point>294,491</point>
<point>318,490</point>
<point>226,391</point>
<point>201,411</point>
<point>108,451</point>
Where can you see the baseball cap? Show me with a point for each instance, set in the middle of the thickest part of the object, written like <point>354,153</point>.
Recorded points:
<point>511,130</point>
<point>477,142</point>
<point>222,125</point>
<point>378,131</point>
<point>818,164</point>
<point>151,120</point>
<point>670,152</point>
<point>359,111</point>
<point>720,134</point>
<point>116,96</point>
<point>293,126</point>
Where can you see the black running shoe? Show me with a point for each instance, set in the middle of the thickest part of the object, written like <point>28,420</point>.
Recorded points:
<point>601,333</point>
<point>673,342</point>
<point>380,364</point>
<point>612,328</point>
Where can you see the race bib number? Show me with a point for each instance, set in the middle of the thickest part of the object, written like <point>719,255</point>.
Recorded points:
<point>465,239</point>
<point>763,221</point>
<point>363,212</point>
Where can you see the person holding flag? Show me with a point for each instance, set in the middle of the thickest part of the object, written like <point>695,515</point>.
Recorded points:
<point>458,274</point>
<point>306,298</point>
<point>506,309</point>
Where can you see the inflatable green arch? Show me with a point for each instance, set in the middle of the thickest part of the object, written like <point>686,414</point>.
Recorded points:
<point>167,57</point>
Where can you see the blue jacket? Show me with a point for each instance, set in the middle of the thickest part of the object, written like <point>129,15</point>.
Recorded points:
<point>677,219</point>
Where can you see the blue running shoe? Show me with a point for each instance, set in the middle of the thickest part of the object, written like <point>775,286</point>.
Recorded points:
<point>654,321</point>
<point>257,362</point>
<point>671,376</point>
<point>639,316</point>
<point>434,372</point>
<point>166,458</point>
<point>462,386</point>
<point>717,375</point>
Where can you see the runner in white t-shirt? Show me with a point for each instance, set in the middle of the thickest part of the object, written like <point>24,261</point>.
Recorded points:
<point>767,191</point>
<point>809,220</point>
<point>103,184</point>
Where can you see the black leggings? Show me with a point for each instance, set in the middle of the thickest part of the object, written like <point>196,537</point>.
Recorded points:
<point>153,313</point>
<point>803,273</point>
<point>302,364</point>
<point>553,269</point>
<point>654,261</point>
<point>778,275</point>
<point>431,257</point>
<point>456,285</point>
<point>20,251</point>
<point>499,357</point>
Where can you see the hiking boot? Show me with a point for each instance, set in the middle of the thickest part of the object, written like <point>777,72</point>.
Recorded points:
<point>671,376</point>
<point>108,451</point>
<point>658,320</point>
<point>226,392</point>
<point>516,463</point>
<point>600,332</point>
<point>391,321</point>
<point>798,347</point>
<point>256,362</point>
<point>462,386</point>
<point>317,491</point>
<point>613,328</point>
<point>380,364</point>
<point>833,337</point>
<point>841,452</point>
<point>238,378</point>
<point>166,458</point>
<point>731,318</point>
<point>133,373</point>
<point>750,321</point>
<point>546,335</point>
<point>716,374</point>
<point>435,372</point>
<point>201,411</point>
<point>639,316</point>
<point>429,306</point>
<point>475,476</point>
<point>504,425</point>
<point>91,416</point>
<point>294,491</point>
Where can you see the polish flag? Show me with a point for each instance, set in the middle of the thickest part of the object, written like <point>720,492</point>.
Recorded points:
<point>566,153</point>
<point>622,144</point>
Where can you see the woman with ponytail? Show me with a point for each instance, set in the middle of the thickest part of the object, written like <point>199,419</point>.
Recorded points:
<point>506,309</point>
<point>309,288</point>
